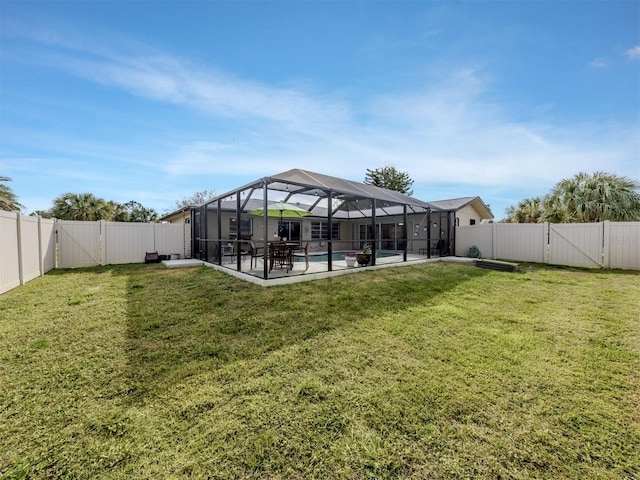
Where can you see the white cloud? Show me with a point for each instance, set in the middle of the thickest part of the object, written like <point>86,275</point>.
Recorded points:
<point>168,79</point>
<point>599,63</point>
<point>633,52</point>
<point>445,132</point>
<point>448,132</point>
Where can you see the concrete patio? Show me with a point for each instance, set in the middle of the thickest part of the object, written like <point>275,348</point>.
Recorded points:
<point>317,269</point>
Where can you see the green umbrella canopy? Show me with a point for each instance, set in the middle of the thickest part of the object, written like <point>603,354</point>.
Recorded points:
<point>282,210</point>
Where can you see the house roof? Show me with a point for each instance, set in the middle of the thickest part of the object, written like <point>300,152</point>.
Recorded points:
<point>306,179</point>
<point>176,213</point>
<point>346,199</point>
<point>456,204</point>
<point>319,194</point>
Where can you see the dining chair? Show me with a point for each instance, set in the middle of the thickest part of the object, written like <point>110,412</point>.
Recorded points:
<point>279,255</point>
<point>438,248</point>
<point>304,253</point>
<point>256,253</point>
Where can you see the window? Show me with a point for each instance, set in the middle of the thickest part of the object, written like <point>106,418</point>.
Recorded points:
<point>320,231</point>
<point>246,227</point>
<point>472,221</point>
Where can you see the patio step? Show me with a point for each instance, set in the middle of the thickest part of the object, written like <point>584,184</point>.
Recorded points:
<point>498,265</point>
<point>190,262</point>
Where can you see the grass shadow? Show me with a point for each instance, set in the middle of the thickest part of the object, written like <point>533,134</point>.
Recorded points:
<point>178,319</point>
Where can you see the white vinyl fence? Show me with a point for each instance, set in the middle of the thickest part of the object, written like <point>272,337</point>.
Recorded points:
<point>28,245</point>
<point>606,244</point>
<point>110,243</point>
<point>27,248</point>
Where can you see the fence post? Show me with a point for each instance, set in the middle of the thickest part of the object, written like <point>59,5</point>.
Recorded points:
<point>20,249</point>
<point>494,240</point>
<point>155,245</point>
<point>40,256</point>
<point>102,237</point>
<point>547,243</point>
<point>56,253</point>
<point>606,241</point>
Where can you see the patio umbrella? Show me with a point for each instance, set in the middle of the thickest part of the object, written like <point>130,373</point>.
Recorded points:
<point>282,210</point>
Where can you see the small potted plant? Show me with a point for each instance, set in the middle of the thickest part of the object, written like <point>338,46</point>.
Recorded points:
<point>350,258</point>
<point>365,257</point>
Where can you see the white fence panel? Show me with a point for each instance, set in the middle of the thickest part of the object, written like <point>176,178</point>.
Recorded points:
<point>576,244</point>
<point>28,244</point>
<point>607,244</point>
<point>480,236</point>
<point>126,242</point>
<point>30,239</point>
<point>173,238</point>
<point>624,245</point>
<point>78,243</point>
<point>48,244</point>
<point>526,242</point>
<point>27,248</point>
<point>187,240</point>
<point>9,264</point>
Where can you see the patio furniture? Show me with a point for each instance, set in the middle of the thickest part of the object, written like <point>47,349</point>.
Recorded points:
<point>439,247</point>
<point>256,253</point>
<point>304,253</point>
<point>228,251</point>
<point>281,254</point>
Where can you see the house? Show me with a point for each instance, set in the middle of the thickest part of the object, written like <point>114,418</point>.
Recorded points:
<point>468,210</point>
<point>338,216</point>
<point>182,215</point>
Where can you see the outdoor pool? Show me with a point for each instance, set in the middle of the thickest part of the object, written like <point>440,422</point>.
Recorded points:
<point>336,256</point>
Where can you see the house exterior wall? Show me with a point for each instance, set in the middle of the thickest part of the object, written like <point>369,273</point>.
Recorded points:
<point>178,217</point>
<point>417,230</point>
<point>466,214</point>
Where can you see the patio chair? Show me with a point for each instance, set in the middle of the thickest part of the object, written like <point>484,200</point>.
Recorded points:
<point>304,253</point>
<point>438,248</point>
<point>256,253</point>
<point>280,254</point>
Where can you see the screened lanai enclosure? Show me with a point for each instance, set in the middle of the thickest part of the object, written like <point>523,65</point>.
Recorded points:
<point>301,222</point>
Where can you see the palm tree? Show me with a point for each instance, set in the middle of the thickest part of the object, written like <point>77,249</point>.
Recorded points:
<point>529,210</point>
<point>593,198</point>
<point>136,212</point>
<point>8,199</point>
<point>81,206</point>
<point>119,212</point>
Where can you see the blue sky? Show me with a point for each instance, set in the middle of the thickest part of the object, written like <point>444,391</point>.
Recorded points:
<point>153,101</point>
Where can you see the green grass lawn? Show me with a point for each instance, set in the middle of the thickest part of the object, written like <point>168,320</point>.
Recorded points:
<point>428,371</point>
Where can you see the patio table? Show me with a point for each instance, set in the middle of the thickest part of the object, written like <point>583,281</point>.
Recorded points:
<point>281,254</point>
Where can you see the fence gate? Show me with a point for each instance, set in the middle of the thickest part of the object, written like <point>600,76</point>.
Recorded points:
<point>78,243</point>
<point>576,244</point>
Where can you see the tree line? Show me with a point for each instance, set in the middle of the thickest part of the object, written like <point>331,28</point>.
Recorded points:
<point>582,198</point>
<point>88,207</point>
